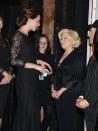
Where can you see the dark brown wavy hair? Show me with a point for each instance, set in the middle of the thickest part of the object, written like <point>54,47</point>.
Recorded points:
<point>26,13</point>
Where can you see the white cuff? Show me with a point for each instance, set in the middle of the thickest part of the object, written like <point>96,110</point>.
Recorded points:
<point>81,97</point>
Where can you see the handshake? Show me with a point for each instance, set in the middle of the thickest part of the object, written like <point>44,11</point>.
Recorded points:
<point>81,103</point>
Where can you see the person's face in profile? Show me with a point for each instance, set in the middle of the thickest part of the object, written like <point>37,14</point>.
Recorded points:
<point>65,41</point>
<point>91,35</point>
<point>43,45</point>
<point>1,23</point>
<point>34,23</point>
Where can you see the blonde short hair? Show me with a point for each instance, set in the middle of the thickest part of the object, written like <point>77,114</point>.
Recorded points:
<point>73,35</point>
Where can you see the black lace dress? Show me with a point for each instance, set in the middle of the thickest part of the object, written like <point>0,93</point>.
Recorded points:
<point>27,112</point>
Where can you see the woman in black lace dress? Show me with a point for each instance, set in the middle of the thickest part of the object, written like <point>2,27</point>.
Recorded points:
<point>5,76</point>
<point>23,57</point>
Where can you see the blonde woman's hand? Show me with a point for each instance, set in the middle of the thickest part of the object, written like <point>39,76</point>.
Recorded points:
<point>48,72</point>
<point>40,68</point>
<point>53,92</point>
<point>59,92</point>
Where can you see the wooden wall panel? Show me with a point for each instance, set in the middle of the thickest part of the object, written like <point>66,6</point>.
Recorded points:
<point>48,19</point>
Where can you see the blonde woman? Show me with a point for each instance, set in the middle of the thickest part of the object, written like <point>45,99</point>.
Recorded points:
<point>67,80</point>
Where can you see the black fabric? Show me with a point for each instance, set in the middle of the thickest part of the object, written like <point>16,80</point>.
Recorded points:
<point>44,85</point>
<point>4,58</point>
<point>4,96</point>
<point>28,110</point>
<point>44,90</point>
<point>69,117</point>
<point>47,116</point>
<point>4,89</point>
<point>72,68</point>
<point>67,72</point>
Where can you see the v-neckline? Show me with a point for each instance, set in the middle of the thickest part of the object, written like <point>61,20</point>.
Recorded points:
<point>59,63</point>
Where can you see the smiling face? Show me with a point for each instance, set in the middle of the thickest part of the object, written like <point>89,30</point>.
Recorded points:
<point>43,45</point>
<point>65,41</point>
<point>34,23</point>
<point>91,35</point>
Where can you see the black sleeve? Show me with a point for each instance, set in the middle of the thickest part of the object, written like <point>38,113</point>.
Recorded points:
<point>15,50</point>
<point>91,84</point>
<point>75,73</point>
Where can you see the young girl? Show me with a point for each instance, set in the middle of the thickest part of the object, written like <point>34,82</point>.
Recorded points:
<point>45,100</point>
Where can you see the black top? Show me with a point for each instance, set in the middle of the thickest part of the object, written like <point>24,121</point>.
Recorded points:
<point>4,59</point>
<point>44,85</point>
<point>70,71</point>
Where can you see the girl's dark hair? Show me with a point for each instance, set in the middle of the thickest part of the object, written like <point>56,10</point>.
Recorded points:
<point>48,49</point>
<point>26,13</point>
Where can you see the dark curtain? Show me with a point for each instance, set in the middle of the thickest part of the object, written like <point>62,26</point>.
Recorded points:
<point>9,14</point>
<point>64,14</point>
<point>70,14</point>
<point>81,23</point>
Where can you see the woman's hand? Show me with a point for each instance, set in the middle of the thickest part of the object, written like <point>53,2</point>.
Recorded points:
<point>7,78</point>
<point>48,72</point>
<point>43,63</point>
<point>59,92</point>
<point>4,81</point>
<point>40,68</point>
<point>82,103</point>
<point>53,92</point>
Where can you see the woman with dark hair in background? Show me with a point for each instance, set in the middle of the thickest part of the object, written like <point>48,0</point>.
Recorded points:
<point>23,57</point>
<point>45,99</point>
<point>5,76</point>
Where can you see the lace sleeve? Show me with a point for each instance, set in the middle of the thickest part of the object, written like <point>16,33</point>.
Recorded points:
<point>15,50</point>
